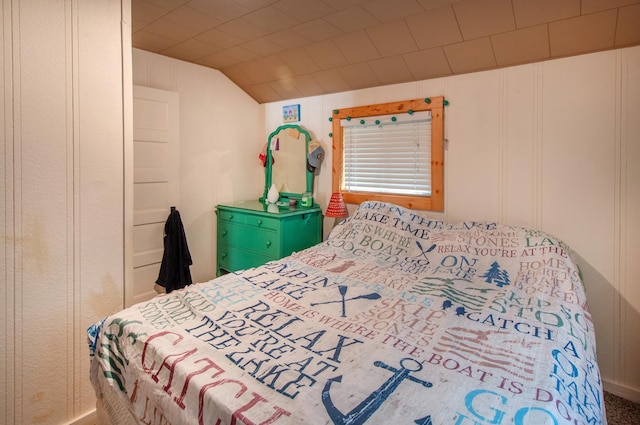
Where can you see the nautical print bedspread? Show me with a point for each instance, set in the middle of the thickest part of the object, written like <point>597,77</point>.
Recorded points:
<point>395,319</point>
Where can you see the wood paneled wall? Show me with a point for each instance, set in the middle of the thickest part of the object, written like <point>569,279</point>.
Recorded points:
<point>62,199</point>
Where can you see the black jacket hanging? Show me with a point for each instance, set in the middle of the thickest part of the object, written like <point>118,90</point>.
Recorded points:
<point>176,259</point>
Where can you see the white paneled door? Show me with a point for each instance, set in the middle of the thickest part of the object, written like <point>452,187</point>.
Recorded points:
<point>155,184</point>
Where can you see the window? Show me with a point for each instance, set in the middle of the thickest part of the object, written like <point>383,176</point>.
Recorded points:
<point>390,152</point>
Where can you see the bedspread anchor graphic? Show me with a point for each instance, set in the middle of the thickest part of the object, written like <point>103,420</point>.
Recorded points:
<point>363,411</point>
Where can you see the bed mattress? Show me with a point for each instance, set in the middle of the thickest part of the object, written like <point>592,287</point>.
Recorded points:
<point>395,319</point>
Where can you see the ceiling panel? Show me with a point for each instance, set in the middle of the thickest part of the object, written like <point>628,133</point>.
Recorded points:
<point>218,38</point>
<point>522,46</point>
<point>437,27</point>
<point>243,29</point>
<point>167,4</point>
<point>281,49</point>
<point>576,35</point>
<point>470,56</point>
<point>385,10</point>
<point>480,18</point>
<point>264,92</point>
<point>536,12</point>
<point>307,85</point>
<point>170,30</point>
<point>287,39</point>
<point>225,10</point>
<point>351,19</point>
<point>359,76</point>
<point>304,10</point>
<point>217,60</point>
<point>190,18</point>
<point>262,46</point>
<point>253,72</point>
<point>271,19</point>
<point>357,47</point>
<point>299,61</point>
<point>332,81</point>
<point>145,13</point>
<point>190,50</point>
<point>275,67</point>
<point>391,70</point>
<point>427,64</point>
<point>590,6</point>
<point>326,55</point>
<point>316,30</point>
<point>628,27</point>
<point>392,38</point>
<point>286,88</point>
<point>146,40</point>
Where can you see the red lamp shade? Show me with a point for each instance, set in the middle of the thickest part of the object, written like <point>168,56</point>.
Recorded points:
<point>337,207</point>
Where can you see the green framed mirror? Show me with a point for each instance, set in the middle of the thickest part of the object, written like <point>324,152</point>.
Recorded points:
<point>286,163</point>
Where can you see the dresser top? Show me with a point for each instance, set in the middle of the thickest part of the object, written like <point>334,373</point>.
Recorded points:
<point>256,206</point>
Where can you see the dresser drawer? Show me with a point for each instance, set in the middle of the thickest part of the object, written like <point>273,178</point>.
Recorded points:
<point>231,258</point>
<point>231,216</point>
<point>258,221</point>
<point>262,222</point>
<point>265,241</point>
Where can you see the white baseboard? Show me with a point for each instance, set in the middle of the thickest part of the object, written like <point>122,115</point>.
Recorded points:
<point>622,391</point>
<point>89,418</point>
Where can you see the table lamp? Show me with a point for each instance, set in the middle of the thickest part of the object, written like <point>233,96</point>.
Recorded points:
<point>337,208</point>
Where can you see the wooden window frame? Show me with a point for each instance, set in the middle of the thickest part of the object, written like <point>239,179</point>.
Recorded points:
<point>434,202</point>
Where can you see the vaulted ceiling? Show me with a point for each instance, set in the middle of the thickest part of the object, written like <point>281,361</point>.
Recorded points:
<point>283,49</point>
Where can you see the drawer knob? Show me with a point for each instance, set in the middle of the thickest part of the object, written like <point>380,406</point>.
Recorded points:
<point>268,244</point>
<point>230,216</point>
<point>259,222</point>
<point>224,255</point>
<point>224,233</point>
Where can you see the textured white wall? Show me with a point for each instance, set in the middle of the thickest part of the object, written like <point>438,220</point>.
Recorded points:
<point>221,128</point>
<point>62,197</point>
<point>552,145</point>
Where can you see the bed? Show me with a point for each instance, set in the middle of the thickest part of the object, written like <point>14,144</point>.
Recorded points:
<point>394,319</point>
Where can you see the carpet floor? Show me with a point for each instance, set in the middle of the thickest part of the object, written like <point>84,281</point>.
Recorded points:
<point>621,411</point>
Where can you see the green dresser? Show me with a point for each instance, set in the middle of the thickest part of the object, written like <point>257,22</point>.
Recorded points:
<point>250,235</point>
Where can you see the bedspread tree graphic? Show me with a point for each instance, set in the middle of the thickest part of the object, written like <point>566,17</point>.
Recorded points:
<point>496,275</point>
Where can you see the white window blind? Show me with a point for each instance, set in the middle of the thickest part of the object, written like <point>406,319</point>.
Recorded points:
<point>388,154</point>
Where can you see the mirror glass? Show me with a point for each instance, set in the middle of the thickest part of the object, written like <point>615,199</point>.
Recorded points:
<point>289,151</point>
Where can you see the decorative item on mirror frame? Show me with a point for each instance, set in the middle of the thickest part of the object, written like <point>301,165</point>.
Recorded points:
<point>291,113</point>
